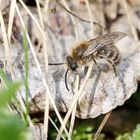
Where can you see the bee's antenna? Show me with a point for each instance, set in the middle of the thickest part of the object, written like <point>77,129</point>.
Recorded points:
<point>56,63</point>
<point>66,83</point>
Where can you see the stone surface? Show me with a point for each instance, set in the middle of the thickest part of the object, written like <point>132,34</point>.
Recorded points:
<point>103,91</point>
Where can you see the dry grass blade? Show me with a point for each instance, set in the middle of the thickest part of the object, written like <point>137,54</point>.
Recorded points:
<point>77,78</point>
<point>128,12</point>
<point>76,98</point>
<point>6,44</point>
<point>40,71</point>
<point>11,18</point>
<point>46,112</point>
<point>8,57</point>
<point>98,91</point>
<point>73,105</point>
<point>74,110</point>
<point>46,5</point>
<point>33,18</point>
<point>55,126</point>
<point>40,14</point>
<point>90,17</point>
<point>101,126</point>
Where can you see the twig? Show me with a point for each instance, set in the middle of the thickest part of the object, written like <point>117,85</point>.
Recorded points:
<point>70,12</point>
<point>101,125</point>
<point>73,20</point>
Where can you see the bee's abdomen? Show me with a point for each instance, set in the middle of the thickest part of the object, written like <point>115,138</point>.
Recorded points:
<point>111,53</point>
<point>117,57</point>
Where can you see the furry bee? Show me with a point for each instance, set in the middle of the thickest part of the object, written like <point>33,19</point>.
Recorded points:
<point>101,47</point>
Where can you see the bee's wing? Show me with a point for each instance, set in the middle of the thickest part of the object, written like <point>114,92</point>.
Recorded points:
<point>102,41</point>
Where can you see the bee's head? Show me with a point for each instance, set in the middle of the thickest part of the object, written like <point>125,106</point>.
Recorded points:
<point>71,63</point>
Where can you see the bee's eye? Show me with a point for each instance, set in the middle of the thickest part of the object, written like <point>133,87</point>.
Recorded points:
<point>71,63</point>
<point>73,66</point>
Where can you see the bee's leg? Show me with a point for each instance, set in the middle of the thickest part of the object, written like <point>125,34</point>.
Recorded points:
<point>113,65</point>
<point>95,61</point>
<point>85,69</point>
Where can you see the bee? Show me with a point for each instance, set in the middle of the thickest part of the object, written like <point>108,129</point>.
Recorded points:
<point>101,47</point>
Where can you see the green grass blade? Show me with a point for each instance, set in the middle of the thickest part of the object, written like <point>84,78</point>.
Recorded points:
<point>25,45</point>
<point>7,93</point>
